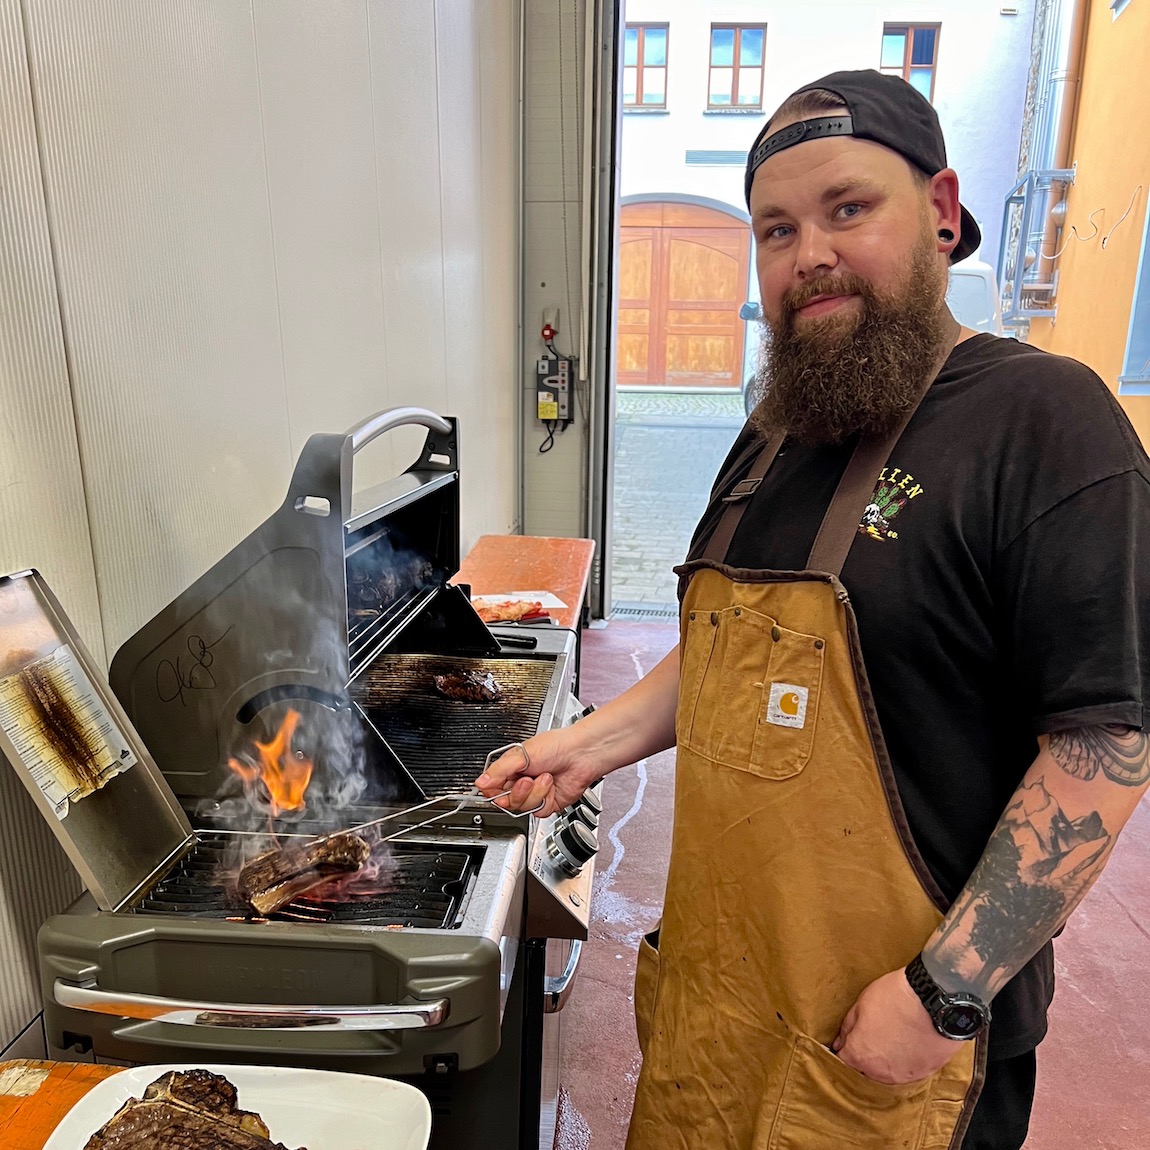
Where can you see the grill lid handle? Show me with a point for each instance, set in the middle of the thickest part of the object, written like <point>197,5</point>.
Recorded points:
<point>362,433</point>
<point>249,1016</point>
<point>321,482</point>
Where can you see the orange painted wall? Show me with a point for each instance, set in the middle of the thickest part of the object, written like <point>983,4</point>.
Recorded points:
<point>1112,150</point>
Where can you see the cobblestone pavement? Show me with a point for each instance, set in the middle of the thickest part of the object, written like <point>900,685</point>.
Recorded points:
<point>668,449</point>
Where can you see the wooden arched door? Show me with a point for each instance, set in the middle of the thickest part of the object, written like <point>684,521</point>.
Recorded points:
<point>682,279</point>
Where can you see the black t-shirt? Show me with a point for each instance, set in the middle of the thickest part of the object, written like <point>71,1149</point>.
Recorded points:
<point>1001,580</point>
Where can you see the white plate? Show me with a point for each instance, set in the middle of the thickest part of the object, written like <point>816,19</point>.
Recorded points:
<point>319,1109</point>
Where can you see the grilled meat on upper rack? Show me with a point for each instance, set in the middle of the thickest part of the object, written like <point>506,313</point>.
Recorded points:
<point>469,686</point>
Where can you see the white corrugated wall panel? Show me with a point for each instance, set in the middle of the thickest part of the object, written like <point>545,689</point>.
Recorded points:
<point>252,248</point>
<point>154,162</point>
<point>485,411</point>
<point>501,190</point>
<point>42,515</point>
<point>315,75</point>
<point>409,206</point>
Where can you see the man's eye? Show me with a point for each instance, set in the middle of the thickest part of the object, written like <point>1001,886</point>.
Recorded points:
<point>778,232</point>
<point>849,211</point>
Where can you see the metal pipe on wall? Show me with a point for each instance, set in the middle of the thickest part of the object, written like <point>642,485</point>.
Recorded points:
<point>1063,84</point>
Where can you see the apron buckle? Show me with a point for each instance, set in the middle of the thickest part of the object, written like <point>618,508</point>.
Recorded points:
<point>744,489</point>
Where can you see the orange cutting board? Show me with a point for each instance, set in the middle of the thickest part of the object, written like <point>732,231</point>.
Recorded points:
<point>35,1096</point>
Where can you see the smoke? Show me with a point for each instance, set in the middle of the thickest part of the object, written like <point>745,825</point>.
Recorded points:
<point>351,764</point>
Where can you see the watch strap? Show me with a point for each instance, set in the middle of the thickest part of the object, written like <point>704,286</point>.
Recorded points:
<point>922,984</point>
<point>939,1003</point>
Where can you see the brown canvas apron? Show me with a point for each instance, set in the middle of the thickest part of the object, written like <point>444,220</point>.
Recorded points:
<point>793,880</point>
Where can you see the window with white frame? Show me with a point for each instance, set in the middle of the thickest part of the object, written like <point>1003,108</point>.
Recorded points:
<point>736,76</point>
<point>1135,377</point>
<point>645,66</point>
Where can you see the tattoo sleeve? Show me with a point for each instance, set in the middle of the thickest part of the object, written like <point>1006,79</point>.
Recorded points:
<point>1046,851</point>
<point>1121,754</point>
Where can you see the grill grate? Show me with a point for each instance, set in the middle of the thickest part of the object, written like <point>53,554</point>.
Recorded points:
<point>442,742</point>
<point>412,884</point>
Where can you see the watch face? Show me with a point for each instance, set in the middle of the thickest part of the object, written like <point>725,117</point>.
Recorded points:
<point>961,1020</point>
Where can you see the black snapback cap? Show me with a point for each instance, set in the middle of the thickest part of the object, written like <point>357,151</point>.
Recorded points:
<point>883,109</point>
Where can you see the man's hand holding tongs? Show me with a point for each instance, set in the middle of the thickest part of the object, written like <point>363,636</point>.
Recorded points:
<point>545,774</point>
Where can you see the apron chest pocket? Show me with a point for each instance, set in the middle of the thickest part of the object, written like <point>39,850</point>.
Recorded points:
<point>749,691</point>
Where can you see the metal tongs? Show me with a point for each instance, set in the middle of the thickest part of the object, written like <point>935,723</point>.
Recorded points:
<point>460,800</point>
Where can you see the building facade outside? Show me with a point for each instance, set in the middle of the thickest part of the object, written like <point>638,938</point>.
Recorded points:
<point>1102,302</point>
<point>699,78</point>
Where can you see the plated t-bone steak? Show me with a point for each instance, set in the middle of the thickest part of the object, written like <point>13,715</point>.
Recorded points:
<point>271,880</point>
<point>185,1110</point>
<point>469,686</point>
<point>211,1093</point>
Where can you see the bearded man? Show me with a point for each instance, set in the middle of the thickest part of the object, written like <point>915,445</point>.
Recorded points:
<point>909,696</point>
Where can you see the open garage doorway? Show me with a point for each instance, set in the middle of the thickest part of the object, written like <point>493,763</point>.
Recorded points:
<point>683,354</point>
<point>683,271</point>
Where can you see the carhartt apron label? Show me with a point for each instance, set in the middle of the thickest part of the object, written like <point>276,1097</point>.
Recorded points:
<point>787,705</point>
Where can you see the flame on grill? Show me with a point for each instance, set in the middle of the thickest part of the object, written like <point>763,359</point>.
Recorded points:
<point>283,772</point>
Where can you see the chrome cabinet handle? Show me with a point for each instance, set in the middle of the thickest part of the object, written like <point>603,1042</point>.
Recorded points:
<point>251,1016</point>
<point>556,991</point>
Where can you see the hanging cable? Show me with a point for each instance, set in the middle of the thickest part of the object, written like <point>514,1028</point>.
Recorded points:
<point>1075,236</point>
<point>1129,209</point>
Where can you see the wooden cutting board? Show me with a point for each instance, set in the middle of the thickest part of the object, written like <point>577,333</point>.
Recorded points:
<point>35,1096</point>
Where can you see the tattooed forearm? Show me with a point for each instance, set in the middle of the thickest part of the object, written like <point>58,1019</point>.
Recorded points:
<point>1035,869</point>
<point>1122,754</point>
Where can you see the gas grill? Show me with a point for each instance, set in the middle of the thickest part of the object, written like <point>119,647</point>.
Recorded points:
<point>324,629</point>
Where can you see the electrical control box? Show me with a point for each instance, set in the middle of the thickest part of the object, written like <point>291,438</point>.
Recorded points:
<point>554,389</point>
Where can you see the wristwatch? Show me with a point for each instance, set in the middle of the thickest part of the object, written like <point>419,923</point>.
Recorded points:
<point>957,1016</point>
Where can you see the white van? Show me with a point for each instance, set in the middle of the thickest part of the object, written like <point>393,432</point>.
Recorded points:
<point>973,296</point>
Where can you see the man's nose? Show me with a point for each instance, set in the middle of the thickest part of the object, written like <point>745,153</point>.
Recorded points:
<point>815,253</point>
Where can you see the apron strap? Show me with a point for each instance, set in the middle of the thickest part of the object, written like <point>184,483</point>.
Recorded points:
<point>738,498</point>
<point>840,524</point>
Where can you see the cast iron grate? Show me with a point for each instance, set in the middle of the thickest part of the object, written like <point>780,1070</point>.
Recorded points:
<point>441,741</point>
<point>403,884</point>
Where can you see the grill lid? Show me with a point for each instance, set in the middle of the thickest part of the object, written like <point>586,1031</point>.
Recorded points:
<point>302,604</point>
<point>75,750</point>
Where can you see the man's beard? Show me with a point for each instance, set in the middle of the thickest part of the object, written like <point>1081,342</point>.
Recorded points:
<point>846,374</point>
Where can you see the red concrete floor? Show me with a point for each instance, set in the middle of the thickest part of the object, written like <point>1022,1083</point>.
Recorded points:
<point>1094,1068</point>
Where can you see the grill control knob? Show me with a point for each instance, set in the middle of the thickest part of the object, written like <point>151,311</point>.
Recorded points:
<point>578,813</point>
<point>570,845</point>
<point>590,801</point>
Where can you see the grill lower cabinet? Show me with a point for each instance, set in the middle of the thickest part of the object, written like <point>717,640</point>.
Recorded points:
<point>484,1097</point>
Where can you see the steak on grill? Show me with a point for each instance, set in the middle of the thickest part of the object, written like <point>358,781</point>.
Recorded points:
<point>271,880</point>
<point>195,1110</point>
<point>469,686</point>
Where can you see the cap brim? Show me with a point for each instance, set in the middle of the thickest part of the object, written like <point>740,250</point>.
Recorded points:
<point>969,240</point>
